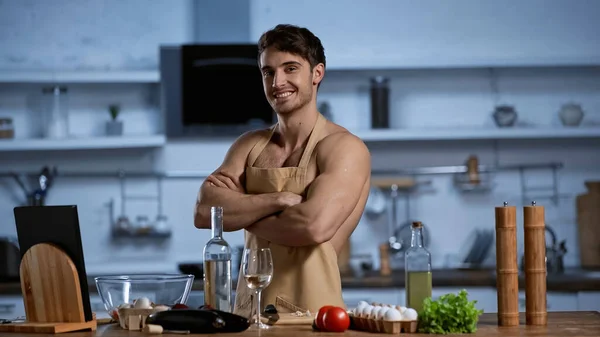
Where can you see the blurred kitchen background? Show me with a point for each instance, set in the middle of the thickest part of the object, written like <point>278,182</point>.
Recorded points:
<point>464,105</point>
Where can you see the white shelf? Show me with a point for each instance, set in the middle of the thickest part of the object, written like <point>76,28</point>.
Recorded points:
<point>383,135</point>
<point>383,61</point>
<point>115,142</point>
<point>109,76</point>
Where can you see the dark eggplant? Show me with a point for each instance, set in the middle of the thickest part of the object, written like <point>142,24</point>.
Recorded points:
<point>199,321</point>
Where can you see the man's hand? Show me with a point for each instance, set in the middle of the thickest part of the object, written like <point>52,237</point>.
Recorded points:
<point>222,179</point>
<point>288,199</point>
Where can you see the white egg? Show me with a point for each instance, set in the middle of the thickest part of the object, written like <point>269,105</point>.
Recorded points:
<point>362,304</point>
<point>125,306</point>
<point>356,311</point>
<point>402,309</point>
<point>142,303</point>
<point>410,315</point>
<point>389,305</point>
<point>392,315</point>
<point>375,312</point>
<point>366,311</point>
<point>382,312</point>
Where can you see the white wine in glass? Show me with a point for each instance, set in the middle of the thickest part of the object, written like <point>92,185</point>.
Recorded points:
<point>257,268</point>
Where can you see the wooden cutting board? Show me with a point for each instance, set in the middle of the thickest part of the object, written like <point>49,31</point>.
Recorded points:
<point>588,223</point>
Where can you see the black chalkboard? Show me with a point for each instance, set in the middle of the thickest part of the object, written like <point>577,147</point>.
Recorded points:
<point>58,225</point>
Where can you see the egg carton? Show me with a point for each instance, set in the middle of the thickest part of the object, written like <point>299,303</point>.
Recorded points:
<point>135,318</point>
<point>383,326</point>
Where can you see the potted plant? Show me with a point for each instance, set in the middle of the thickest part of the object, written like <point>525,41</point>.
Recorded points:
<point>114,127</point>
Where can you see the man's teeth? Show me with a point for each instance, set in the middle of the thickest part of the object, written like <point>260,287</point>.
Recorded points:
<point>285,94</point>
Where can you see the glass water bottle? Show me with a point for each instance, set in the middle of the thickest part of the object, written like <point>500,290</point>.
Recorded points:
<point>217,266</point>
<point>417,270</point>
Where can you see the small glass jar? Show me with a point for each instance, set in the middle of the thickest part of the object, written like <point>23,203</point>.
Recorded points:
<point>55,111</point>
<point>7,130</point>
<point>161,225</point>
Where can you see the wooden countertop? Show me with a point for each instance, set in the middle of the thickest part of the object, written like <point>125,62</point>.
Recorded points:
<point>584,323</point>
<point>573,280</point>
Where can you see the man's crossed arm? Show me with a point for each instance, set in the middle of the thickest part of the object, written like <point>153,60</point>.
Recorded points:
<point>345,167</point>
<point>225,187</point>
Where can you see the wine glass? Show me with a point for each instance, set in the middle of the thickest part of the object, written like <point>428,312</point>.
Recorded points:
<point>257,268</point>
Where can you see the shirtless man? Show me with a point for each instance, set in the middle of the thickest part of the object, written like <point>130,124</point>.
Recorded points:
<point>299,187</point>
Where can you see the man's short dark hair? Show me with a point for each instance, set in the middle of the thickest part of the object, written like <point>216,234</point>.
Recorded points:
<point>293,39</point>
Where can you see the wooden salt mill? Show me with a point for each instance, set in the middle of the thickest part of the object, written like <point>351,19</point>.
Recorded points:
<point>507,269</point>
<point>534,226</point>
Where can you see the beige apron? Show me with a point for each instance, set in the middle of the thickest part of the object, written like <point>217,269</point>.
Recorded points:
<point>303,277</point>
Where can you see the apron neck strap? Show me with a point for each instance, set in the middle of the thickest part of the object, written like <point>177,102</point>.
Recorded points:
<point>312,141</point>
<point>260,146</point>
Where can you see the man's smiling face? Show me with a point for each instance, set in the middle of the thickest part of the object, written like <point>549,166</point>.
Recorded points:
<point>288,81</point>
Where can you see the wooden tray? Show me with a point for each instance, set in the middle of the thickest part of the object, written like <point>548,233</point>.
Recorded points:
<point>381,326</point>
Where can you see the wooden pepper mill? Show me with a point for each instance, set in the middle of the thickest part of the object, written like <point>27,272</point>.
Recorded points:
<point>507,269</point>
<point>535,265</point>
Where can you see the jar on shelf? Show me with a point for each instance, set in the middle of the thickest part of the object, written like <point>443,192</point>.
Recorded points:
<point>380,102</point>
<point>55,112</point>
<point>7,130</point>
<point>161,225</point>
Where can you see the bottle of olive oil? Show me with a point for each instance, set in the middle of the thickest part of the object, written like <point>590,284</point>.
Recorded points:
<point>417,270</point>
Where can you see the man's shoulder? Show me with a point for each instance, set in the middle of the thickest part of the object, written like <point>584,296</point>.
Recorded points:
<point>251,137</point>
<point>339,138</point>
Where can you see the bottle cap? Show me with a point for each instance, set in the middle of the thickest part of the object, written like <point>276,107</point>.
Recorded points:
<point>417,224</point>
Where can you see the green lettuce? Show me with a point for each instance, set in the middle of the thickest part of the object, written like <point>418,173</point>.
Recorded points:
<point>450,313</point>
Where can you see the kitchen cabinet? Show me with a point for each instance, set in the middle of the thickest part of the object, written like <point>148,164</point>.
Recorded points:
<point>11,306</point>
<point>588,300</point>
<point>438,34</point>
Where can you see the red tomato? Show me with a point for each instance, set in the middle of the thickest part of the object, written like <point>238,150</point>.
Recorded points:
<point>320,315</point>
<point>336,320</point>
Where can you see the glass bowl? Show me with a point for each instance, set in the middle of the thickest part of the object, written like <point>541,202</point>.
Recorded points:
<point>160,289</point>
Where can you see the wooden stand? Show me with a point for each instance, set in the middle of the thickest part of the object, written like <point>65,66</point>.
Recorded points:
<point>51,293</point>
